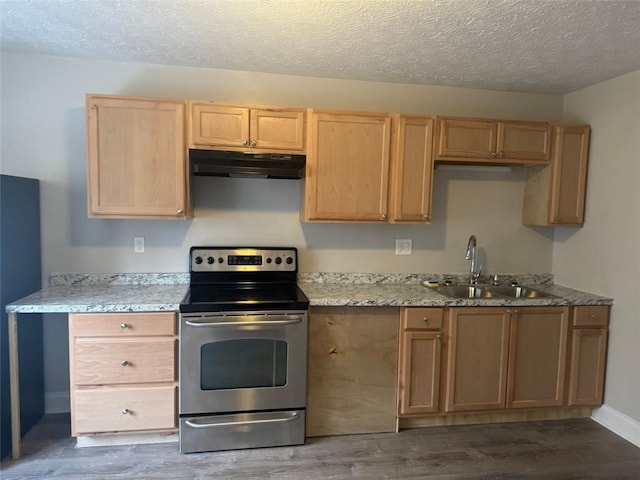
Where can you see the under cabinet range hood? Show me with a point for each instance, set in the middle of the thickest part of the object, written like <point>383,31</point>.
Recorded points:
<point>249,165</point>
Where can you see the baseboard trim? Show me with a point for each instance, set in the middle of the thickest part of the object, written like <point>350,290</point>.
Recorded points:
<point>83,441</point>
<point>56,402</point>
<point>619,423</point>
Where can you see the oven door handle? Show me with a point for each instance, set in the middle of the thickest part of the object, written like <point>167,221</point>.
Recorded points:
<point>245,321</point>
<point>231,423</point>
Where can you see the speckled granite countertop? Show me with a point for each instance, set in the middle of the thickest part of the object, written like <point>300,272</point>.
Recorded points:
<point>407,290</point>
<point>77,293</point>
<point>164,292</point>
<point>417,295</point>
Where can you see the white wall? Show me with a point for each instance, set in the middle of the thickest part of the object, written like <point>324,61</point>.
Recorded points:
<point>43,136</point>
<point>604,256</point>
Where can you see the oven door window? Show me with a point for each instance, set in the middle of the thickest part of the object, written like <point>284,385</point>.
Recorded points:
<point>246,363</point>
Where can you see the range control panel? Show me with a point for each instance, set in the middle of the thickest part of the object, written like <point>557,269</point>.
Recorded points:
<point>245,259</point>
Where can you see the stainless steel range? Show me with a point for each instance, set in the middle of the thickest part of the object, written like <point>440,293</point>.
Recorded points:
<point>243,350</point>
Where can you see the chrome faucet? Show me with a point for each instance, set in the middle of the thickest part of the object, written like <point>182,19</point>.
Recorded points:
<point>474,270</point>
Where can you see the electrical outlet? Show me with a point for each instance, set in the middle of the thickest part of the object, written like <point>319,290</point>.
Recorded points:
<point>403,246</point>
<point>138,244</point>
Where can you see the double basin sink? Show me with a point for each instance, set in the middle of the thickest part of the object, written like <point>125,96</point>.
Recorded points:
<point>491,291</point>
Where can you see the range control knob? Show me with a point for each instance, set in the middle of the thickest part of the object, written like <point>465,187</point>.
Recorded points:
<point>269,260</point>
<point>198,260</point>
<point>220,259</point>
<point>289,260</point>
<point>278,260</point>
<point>210,260</point>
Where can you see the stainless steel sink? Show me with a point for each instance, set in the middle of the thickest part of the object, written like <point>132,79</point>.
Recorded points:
<point>490,291</point>
<point>520,292</point>
<point>465,291</point>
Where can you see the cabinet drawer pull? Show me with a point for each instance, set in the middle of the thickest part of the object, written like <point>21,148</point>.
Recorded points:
<point>124,326</point>
<point>439,336</point>
<point>425,319</point>
<point>180,212</point>
<point>125,411</point>
<point>592,315</point>
<point>124,363</point>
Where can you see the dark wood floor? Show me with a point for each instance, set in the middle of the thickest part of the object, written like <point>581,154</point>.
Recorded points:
<point>573,449</point>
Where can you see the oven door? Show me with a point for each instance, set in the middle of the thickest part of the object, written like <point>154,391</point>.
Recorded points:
<point>242,361</point>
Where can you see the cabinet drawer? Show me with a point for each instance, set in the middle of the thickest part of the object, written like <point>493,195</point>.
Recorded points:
<point>124,360</point>
<point>125,409</point>
<point>422,318</point>
<point>122,324</point>
<point>591,316</point>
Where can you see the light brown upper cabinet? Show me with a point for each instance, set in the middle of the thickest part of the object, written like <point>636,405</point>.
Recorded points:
<point>411,169</point>
<point>136,158</point>
<point>554,195</point>
<point>260,129</point>
<point>470,140</point>
<point>347,169</point>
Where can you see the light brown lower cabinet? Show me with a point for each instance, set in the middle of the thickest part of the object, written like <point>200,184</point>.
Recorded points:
<point>506,358</point>
<point>588,355</point>
<point>472,359</point>
<point>122,372</point>
<point>420,353</point>
<point>478,349</point>
<point>537,357</point>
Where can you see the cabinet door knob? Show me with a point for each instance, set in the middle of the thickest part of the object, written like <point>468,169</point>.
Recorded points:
<point>500,154</point>
<point>439,336</point>
<point>425,217</point>
<point>124,363</point>
<point>125,411</point>
<point>124,326</point>
<point>245,143</point>
<point>384,216</point>
<point>494,154</point>
<point>180,212</point>
<point>254,143</point>
<point>426,319</point>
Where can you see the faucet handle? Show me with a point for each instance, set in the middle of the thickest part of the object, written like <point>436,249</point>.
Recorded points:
<point>495,279</point>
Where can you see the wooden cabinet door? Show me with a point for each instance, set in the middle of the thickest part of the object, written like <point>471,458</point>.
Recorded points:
<point>277,129</point>
<point>537,357</point>
<point>347,167</point>
<point>419,379</point>
<point>524,141</point>
<point>586,374</point>
<point>353,363</point>
<point>219,125</point>
<point>412,170</point>
<point>569,175</point>
<point>136,158</point>
<point>476,377</point>
<point>460,138</point>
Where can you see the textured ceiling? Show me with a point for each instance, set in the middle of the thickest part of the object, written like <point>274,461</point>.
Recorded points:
<point>548,46</point>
